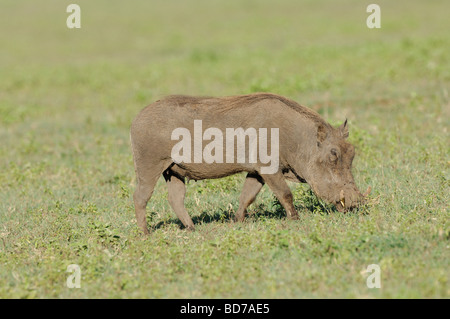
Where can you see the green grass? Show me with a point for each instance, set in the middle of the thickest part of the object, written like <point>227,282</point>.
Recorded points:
<point>67,98</point>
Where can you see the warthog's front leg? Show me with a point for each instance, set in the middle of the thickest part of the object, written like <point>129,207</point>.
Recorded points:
<point>252,185</point>
<point>280,188</point>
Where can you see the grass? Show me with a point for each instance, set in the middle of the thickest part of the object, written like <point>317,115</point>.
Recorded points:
<point>67,98</point>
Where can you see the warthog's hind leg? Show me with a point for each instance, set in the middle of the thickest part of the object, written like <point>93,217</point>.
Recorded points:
<point>146,181</point>
<point>252,185</point>
<point>177,191</point>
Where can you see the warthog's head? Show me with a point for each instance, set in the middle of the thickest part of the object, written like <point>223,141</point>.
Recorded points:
<point>330,168</point>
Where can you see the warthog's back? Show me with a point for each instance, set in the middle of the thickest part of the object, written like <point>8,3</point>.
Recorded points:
<point>253,110</point>
<point>237,103</point>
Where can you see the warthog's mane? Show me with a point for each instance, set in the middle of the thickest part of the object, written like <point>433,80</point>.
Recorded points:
<point>228,103</point>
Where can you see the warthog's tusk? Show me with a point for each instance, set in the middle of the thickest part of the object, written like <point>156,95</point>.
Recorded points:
<point>342,198</point>
<point>369,189</point>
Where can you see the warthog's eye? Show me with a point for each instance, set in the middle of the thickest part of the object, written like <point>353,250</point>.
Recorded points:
<point>334,155</point>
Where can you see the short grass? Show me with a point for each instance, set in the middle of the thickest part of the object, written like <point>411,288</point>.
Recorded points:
<point>67,98</point>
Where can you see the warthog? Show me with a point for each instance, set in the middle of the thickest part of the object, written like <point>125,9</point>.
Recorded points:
<point>308,149</point>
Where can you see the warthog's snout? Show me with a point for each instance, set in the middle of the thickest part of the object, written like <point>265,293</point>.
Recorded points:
<point>351,200</point>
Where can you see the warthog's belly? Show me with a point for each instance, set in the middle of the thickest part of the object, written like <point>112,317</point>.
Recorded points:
<point>208,171</point>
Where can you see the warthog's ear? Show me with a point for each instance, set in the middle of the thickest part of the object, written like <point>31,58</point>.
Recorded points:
<point>344,129</point>
<point>321,134</point>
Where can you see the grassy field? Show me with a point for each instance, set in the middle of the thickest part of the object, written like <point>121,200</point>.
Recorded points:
<point>67,98</point>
